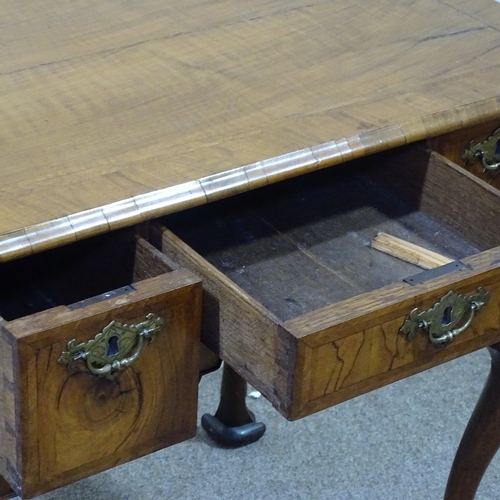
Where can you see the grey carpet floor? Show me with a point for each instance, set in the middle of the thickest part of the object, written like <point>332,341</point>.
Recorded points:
<point>396,443</point>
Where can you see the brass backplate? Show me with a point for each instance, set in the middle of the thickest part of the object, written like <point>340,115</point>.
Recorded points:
<point>488,152</point>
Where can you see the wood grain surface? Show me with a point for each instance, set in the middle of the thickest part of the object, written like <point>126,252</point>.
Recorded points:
<point>112,112</point>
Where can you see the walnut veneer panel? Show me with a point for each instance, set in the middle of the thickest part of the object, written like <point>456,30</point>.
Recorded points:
<point>154,107</point>
<point>347,358</point>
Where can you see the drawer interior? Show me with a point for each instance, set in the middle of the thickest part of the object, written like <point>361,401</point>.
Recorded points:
<point>305,243</point>
<point>76,272</point>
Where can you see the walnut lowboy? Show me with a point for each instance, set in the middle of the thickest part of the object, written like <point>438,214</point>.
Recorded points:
<point>126,393</point>
<point>300,306</point>
<point>294,300</point>
<point>133,110</point>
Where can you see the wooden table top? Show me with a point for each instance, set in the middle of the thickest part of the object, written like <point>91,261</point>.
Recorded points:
<point>115,112</point>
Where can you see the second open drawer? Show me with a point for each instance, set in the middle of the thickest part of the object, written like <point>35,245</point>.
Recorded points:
<point>299,304</point>
<point>99,360</point>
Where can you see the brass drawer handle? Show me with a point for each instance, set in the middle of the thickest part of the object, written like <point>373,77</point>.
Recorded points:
<point>487,151</point>
<point>492,168</point>
<point>113,349</point>
<point>442,320</point>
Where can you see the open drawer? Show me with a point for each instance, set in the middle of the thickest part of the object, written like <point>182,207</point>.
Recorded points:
<point>475,148</point>
<point>87,384</point>
<point>299,304</point>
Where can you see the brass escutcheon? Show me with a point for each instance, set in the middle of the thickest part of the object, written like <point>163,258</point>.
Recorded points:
<point>112,350</point>
<point>488,152</point>
<point>445,319</point>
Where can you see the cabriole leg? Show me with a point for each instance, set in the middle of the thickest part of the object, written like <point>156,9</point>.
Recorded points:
<point>233,424</point>
<point>481,438</point>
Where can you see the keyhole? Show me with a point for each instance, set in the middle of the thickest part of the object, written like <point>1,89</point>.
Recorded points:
<point>113,345</point>
<point>447,316</point>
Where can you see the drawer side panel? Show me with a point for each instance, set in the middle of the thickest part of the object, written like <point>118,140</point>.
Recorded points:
<point>8,409</point>
<point>239,329</point>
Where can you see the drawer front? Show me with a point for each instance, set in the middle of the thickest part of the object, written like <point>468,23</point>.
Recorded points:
<point>359,345</point>
<point>73,420</point>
